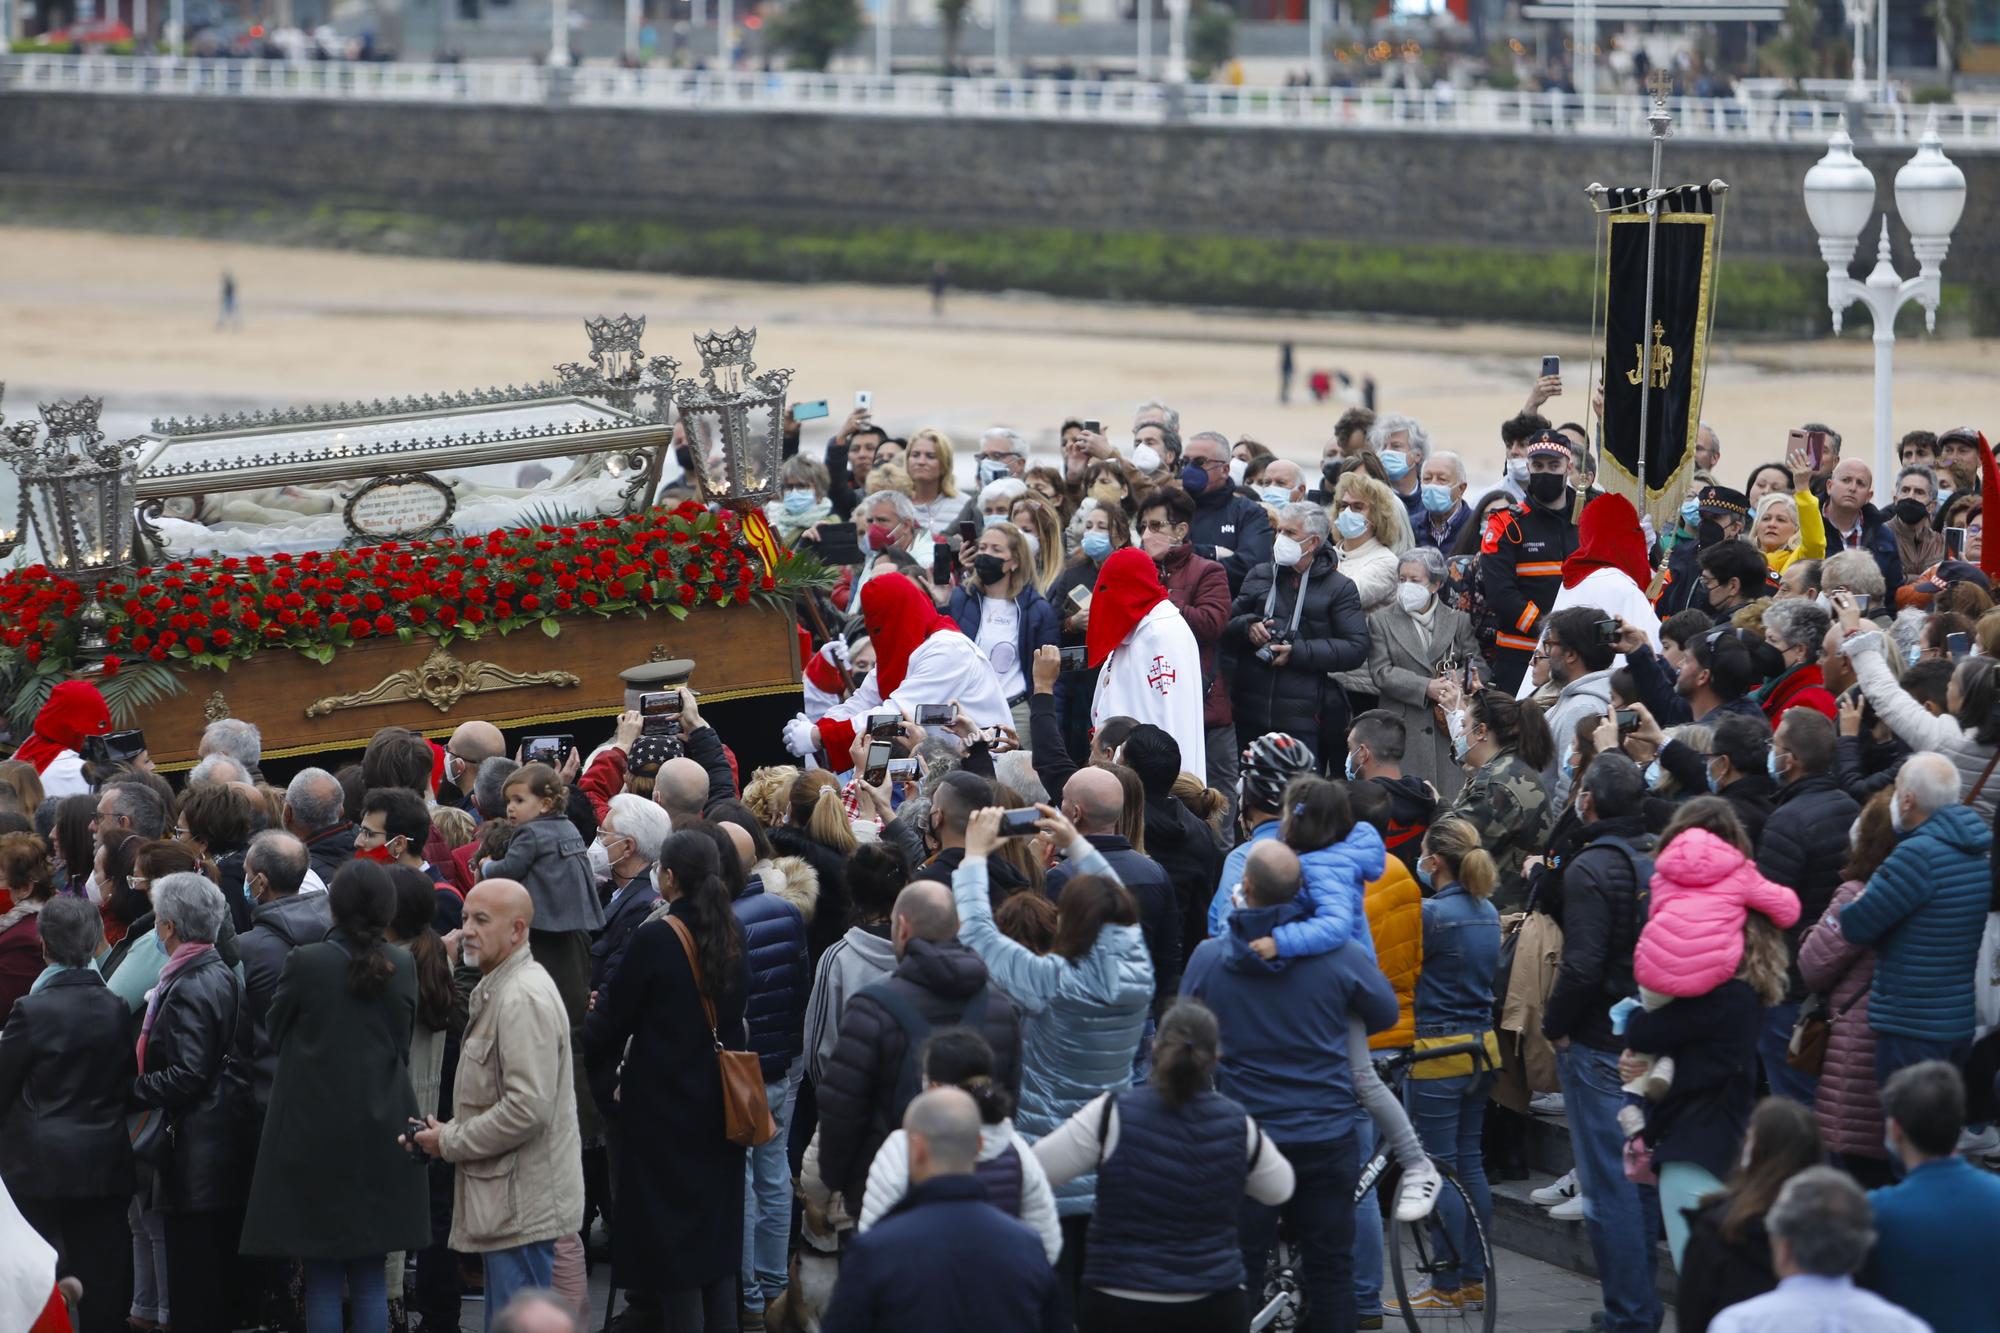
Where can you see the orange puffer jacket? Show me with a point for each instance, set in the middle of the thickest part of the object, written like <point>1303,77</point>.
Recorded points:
<point>1395,908</point>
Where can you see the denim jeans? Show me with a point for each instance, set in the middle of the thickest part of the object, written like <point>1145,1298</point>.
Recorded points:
<point>367,1282</point>
<point>1893,1052</point>
<point>1367,1228</point>
<point>767,1199</point>
<point>149,1264</point>
<point>1319,1219</point>
<point>509,1270</point>
<point>1449,1114</point>
<point>1622,1219</point>
<point>1772,1046</point>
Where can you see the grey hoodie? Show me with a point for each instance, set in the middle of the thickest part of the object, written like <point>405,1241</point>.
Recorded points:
<point>857,960</point>
<point>1586,696</point>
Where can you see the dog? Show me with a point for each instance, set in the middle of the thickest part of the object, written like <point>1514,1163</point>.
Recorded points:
<point>815,1265</point>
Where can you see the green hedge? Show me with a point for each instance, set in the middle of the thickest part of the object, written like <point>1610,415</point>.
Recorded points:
<point>1435,281</point>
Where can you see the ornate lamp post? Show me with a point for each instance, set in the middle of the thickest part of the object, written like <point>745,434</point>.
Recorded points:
<point>1930,197</point>
<point>76,487</point>
<point>735,421</point>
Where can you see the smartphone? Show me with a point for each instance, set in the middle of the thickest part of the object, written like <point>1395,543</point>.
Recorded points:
<point>941,564</point>
<point>877,767</point>
<point>550,750</point>
<point>1954,543</point>
<point>838,544</point>
<point>884,724</point>
<point>1627,720</point>
<point>1094,427</point>
<point>812,411</point>
<point>1607,631</point>
<point>934,715</point>
<point>902,768</point>
<point>1860,601</point>
<point>1958,645</point>
<point>968,532</point>
<point>1795,443</point>
<point>1019,823</point>
<point>865,399</point>
<point>113,747</point>
<point>1815,448</point>
<point>660,703</point>
<point>1077,658</point>
<point>1551,365</point>
<point>1079,597</point>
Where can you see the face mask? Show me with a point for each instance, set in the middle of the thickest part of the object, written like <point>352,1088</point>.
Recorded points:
<point>1546,488</point>
<point>1274,495</point>
<point>877,537</point>
<point>1569,764</point>
<point>1823,602</point>
<point>600,861</point>
<point>989,569</point>
<point>1517,471</point>
<point>1691,512</point>
<point>1350,524</point>
<point>797,502</point>
<point>380,855</point>
<point>1944,493</point>
<point>1330,469</point>
<point>1709,534</point>
<point>1413,597</point>
<point>1107,493</point>
<point>1287,551</point>
<point>1034,545</point>
<point>1915,654</point>
<point>1912,512</point>
<point>1353,768</point>
<point>1461,745</point>
<point>1708,777</point>
<point>991,470</point>
<point>1097,545</point>
<point>1396,463</point>
<point>1437,499</point>
<point>1896,817</point>
<point>991,520</point>
<point>1237,467</point>
<point>1653,774</point>
<point>1424,875</point>
<point>1146,458</point>
<point>1771,766</point>
<point>1194,479</point>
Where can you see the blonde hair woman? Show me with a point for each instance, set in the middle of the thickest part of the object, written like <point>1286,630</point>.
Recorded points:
<point>1001,610</point>
<point>1789,528</point>
<point>1371,528</point>
<point>1035,517</point>
<point>933,489</point>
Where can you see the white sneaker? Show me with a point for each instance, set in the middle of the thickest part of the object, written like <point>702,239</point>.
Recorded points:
<point>1548,1196</point>
<point>1418,1193</point>
<point>1546,1103</point>
<point>1569,1210</point>
<point>1978,1143</point>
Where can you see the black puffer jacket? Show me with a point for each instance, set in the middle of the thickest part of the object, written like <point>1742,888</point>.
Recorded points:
<point>198,1070</point>
<point>1178,840</point>
<point>859,1100</point>
<point>774,946</point>
<point>830,918</point>
<point>1803,848</point>
<point>1602,906</point>
<point>1332,636</point>
<point>66,1072</point>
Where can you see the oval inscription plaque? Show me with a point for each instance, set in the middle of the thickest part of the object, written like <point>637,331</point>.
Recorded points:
<point>410,505</point>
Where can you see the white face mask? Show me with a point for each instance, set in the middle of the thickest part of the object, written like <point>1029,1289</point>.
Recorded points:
<point>1414,597</point>
<point>1237,467</point>
<point>1517,471</point>
<point>1146,458</point>
<point>1287,551</point>
<point>600,861</point>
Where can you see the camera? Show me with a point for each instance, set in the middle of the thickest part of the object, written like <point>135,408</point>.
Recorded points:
<point>114,747</point>
<point>1268,653</point>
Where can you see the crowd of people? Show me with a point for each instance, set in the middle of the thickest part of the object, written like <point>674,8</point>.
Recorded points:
<point>1142,803</point>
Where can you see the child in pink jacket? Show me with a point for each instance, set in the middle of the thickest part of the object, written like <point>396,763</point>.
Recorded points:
<point>1704,889</point>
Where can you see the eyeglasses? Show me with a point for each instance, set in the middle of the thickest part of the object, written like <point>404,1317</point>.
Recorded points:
<point>1210,464</point>
<point>1156,525</point>
<point>362,831</point>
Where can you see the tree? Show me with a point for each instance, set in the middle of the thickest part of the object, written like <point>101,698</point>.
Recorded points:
<point>1954,32</point>
<point>1795,51</point>
<point>812,31</point>
<point>1211,37</point>
<point>951,13</point>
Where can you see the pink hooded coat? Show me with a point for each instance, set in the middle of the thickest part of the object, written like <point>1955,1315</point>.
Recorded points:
<point>1703,890</point>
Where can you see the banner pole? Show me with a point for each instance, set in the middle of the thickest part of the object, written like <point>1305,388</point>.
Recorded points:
<point>1660,123</point>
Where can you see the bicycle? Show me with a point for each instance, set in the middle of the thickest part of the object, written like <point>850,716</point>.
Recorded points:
<point>1417,1251</point>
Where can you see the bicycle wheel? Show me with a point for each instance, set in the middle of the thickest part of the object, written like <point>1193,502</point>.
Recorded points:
<point>1422,1253</point>
<point>1282,1302</point>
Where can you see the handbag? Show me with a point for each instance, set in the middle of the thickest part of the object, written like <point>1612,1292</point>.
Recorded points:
<point>1806,1051</point>
<point>746,1114</point>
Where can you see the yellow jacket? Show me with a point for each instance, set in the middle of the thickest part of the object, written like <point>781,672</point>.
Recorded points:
<point>1812,535</point>
<point>1395,908</point>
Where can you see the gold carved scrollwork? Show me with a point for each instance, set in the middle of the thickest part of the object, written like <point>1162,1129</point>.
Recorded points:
<point>215,707</point>
<point>440,681</point>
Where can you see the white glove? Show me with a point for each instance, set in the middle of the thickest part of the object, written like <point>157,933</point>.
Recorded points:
<point>801,737</point>
<point>836,651</point>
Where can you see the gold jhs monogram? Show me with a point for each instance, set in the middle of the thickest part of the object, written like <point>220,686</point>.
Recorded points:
<point>1663,359</point>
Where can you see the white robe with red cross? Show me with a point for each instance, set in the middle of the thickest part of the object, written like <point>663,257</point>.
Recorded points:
<point>1155,676</point>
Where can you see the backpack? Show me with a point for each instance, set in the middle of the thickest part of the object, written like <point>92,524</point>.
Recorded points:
<point>916,1028</point>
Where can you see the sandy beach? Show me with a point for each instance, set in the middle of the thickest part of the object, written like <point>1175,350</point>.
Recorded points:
<point>134,319</point>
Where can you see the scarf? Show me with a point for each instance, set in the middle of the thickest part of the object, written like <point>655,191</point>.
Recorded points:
<point>1608,537</point>
<point>185,956</point>
<point>1426,622</point>
<point>49,973</point>
<point>1128,586</point>
<point>74,710</point>
<point>788,525</point>
<point>1918,548</point>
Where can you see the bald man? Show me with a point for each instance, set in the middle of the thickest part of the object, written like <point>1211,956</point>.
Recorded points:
<point>946,1258</point>
<point>681,787</point>
<point>469,747</point>
<point>701,775</point>
<point>1853,524</point>
<point>872,1074</point>
<point>513,1127</point>
<point>1094,800</point>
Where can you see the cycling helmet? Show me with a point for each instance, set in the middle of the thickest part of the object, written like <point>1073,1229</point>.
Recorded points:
<point>1269,764</point>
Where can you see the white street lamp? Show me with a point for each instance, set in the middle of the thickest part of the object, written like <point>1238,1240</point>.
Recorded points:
<point>1930,197</point>
<point>1177,67</point>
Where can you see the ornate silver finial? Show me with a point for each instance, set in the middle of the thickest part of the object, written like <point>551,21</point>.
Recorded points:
<point>729,367</point>
<point>1661,85</point>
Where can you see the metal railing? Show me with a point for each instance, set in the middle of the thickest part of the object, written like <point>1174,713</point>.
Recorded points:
<point>1752,119</point>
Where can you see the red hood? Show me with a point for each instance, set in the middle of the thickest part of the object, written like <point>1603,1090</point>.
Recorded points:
<point>1989,502</point>
<point>899,618</point>
<point>75,709</point>
<point>1609,538</point>
<point>1128,586</point>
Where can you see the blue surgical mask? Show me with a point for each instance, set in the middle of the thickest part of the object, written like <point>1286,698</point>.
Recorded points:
<point>1353,768</point>
<point>1096,545</point>
<point>1350,524</point>
<point>797,502</point>
<point>991,470</point>
<point>1653,773</point>
<point>1914,653</point>
<point>1437,499</point>
<point>1691,512</point>
<point>1707,775</point>
<point>1274,495</point>
<point>1771,766</point>
<point>992,520</point>
<point>1423,874</point>
<point>1396,463</point>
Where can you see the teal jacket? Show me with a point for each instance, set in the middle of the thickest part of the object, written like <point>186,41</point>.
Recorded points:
<point>1923,911</point>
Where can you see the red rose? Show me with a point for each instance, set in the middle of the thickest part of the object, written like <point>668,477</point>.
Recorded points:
<point>385,624</point>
